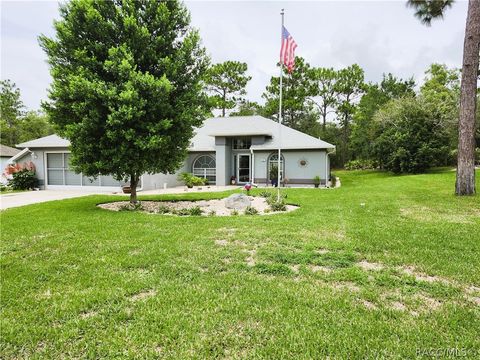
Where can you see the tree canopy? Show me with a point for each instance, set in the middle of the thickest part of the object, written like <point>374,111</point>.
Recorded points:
<point>227,82</point>
<point>127,85</point>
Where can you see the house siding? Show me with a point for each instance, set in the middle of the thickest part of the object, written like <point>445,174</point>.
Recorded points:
<point>317,161</point>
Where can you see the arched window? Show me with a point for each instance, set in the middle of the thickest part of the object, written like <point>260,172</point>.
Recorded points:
<point>205,167</point>
<point>273,165</point>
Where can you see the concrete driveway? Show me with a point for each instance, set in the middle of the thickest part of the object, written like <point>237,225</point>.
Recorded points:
<point>34,197</point>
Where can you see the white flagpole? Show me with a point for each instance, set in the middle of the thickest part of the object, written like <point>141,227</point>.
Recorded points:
<point>280,116</point>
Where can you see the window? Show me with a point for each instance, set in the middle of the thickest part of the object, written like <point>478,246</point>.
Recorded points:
<point>60,173</point>
<point>205,167</point>
<point>241,143</point>
<point>273,163</point>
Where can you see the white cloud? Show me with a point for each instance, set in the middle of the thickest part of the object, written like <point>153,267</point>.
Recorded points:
<point>380,36</point>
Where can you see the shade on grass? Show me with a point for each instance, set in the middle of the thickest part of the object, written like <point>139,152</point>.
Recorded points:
<point>380,267</point>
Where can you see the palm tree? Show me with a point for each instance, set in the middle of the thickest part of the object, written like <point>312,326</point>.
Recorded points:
<point>426,11</point>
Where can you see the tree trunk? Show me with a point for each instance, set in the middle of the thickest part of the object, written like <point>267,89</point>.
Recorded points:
<point>224,102</point>
<point>324,115</point>
<point>133,188</point>
<point>465,184</point>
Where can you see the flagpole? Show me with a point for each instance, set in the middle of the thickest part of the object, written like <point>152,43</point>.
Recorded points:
<point>282,13</point>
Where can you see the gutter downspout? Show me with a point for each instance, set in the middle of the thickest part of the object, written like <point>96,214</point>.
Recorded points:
<point>253,168</point>
<point>327,163</point>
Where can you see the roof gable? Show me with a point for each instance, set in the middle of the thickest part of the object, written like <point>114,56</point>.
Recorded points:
<point>7,151</point>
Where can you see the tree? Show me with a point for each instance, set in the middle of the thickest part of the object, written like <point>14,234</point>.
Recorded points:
<point>11,111</point>
<point>248,108</point>
<point>297,110</point>
<point>349,87</point>
<point>427,10</point>
<point>324,94</point>
<point>227,81</point>
<point>441,90</point>
<point>127,85</point>
<point>364,128</point>
<point>34,125</point>
<point>412,138</point>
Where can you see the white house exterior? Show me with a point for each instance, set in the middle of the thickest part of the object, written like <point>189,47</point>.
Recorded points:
<point>243,148</point>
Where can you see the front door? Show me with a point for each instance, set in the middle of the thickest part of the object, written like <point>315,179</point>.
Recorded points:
<point>243,168</point>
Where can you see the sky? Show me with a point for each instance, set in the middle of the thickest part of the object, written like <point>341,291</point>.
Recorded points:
<point>380,36</point>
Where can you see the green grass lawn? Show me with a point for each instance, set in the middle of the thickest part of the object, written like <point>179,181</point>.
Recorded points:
<point>380,267</point>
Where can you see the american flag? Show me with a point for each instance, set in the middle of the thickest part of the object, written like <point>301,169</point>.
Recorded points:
<point>287,52</point>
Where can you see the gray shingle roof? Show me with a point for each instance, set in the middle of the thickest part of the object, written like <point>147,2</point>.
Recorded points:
<point>7,151</point>
<point>204,139</point>
<point>46,141</point>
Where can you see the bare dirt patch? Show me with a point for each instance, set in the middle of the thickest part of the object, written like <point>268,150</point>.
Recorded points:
<point>369,305</point>
<point>221,242</point>
<point>365,265</point>
<point>250,260</point>
<point>317,268</point>
<point>208,207</point>
<point>88,314</point>
<point>143,295</point>
<point>349,286</point>
<point>419,276</point>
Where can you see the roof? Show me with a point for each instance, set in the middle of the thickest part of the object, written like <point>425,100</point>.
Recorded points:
<point>19,155</point>
<point>46,141</point>
<point>7,151</point>
<point>204,139</point>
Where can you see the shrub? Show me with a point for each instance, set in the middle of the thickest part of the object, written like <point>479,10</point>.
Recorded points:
<point>413,137</point>
<point>234,212</point>
<point>191,180</point>
<point>23,179</point>
<point>250,210</point>
<point>360,164</point>
<point>316,181</point>
<point>265,194</point>
<point>195,211</point>
<point>132,207</point>
<point>333,180</point>
<point>274,198</point>
<point>162,209</point>
<point>212,213</point>
<point>278,205</point>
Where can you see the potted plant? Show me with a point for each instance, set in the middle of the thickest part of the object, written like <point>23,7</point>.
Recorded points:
<point>126,189</point>
<point>316,181</point>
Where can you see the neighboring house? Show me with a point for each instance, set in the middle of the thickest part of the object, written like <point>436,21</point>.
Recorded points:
<point>243,147</point>
<point>6,153</point>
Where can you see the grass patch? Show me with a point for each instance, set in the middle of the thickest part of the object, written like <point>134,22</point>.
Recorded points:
<point>380,255</point>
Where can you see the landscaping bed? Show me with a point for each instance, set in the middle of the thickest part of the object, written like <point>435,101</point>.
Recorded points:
<point>214,207</point>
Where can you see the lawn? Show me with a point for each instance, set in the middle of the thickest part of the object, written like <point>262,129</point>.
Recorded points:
<point>385,266</point>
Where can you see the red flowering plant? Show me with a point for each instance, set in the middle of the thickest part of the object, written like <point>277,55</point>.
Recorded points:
<point>21,176</point>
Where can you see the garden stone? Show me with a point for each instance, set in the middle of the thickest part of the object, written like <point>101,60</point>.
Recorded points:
<point>237,201</point>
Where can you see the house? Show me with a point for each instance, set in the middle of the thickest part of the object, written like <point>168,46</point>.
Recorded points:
<point>243,148</point>
<point>6,153</point>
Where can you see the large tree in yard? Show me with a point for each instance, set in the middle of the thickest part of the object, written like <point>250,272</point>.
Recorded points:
<point>127,85</point>
<point>427,10</point>
<point>227,82</point>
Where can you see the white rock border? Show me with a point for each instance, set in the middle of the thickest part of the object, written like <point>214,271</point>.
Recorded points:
<point>207,206</point>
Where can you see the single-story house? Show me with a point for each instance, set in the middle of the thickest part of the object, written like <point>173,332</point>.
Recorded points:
<point>243,148</point>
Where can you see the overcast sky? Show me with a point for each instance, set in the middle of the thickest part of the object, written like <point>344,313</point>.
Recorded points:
<point>380,36</point>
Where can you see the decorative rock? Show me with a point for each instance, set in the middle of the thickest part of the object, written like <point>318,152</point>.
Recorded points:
<point>237,201</point>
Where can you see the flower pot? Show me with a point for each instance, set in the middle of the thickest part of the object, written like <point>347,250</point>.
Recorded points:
<point>316,185</point>
<point>126,189</point>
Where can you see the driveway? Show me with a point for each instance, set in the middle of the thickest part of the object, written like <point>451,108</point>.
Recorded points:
<point>34,197</point>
